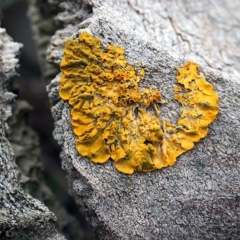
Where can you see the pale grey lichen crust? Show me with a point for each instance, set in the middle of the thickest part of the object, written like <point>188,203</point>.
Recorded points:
<point>199,197</point>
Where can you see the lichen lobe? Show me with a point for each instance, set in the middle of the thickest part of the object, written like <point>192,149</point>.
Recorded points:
<point>110,115</point>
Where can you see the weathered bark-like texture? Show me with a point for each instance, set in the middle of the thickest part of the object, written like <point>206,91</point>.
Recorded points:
<point>42,15</point>
<point>21,216</point>
<point>44,24</point>
<point>25,145</point>
<point>199,197</point>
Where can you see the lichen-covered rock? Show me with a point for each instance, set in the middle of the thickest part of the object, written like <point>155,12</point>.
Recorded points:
<point>197,198</point>
<point>46,18</point>
<point>206,32</point>
<point>22,217</point>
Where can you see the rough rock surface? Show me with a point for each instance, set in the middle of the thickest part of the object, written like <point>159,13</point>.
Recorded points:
<point>25,144</point>
<point>207,32</point>
<point>43,27</point>
<point>22,217</point>
<point>199,197</point>
<point>44,24</point>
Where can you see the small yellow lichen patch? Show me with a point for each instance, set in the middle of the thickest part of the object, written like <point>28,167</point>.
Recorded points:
<point>199,109</point>
<point>109,113</point>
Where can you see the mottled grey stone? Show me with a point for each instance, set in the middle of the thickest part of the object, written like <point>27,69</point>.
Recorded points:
<point>21,216</point>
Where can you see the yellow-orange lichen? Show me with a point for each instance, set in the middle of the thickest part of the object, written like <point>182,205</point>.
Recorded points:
<point>109,113</point>
<point>199,109</point>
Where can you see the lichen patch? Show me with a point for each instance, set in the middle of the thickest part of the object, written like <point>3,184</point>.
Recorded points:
<point>110,114</point>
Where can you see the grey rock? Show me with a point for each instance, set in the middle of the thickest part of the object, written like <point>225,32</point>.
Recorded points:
<point>25,144</point>
<point>21,216</point>
<point>47,17</point>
